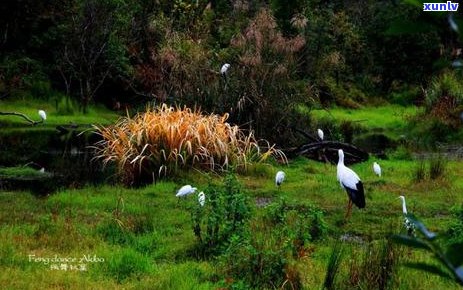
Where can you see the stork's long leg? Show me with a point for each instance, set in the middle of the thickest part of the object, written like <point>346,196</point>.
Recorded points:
<point>349,209</point>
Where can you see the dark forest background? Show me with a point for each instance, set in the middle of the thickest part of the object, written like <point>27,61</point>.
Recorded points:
<point>283,55</point>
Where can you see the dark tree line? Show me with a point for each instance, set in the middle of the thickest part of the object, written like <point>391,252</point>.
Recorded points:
<point>125,52</point>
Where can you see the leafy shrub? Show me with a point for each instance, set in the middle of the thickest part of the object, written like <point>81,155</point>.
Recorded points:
<point>301,223</point>
<point>265,256</point>
<point>164,139</point>
<point>262,259</point>
<point>224,215</point>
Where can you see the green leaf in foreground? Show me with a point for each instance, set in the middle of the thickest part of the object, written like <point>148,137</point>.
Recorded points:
<point>410,241</point>
<point>429,268</point>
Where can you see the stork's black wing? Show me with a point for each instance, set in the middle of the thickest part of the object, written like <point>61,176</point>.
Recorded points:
<point>356,195</point>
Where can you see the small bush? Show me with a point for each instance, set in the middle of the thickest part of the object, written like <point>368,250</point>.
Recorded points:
<point>262,259</point>
<point>224,215</point>
<point>265,256</point>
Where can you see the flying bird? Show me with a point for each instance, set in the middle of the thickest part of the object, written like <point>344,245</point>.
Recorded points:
<point>409,226</point>
<point>185,190</point>
<point>42,115</point>
<point>279,178</point>
<point>377,169</point>
<point>201,198</point>
<point>224,68</point>
<point>351,182</point>
<point>320,134</point>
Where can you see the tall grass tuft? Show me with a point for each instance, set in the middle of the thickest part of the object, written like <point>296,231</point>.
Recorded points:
<point>437,167</point>
<point>333,267</point>
<point>378,267</point>
<point>420,172</point>
<point>164,139</point>
<point>444,98</point>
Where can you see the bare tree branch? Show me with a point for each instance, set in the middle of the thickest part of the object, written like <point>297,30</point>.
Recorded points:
<point>21,115</point>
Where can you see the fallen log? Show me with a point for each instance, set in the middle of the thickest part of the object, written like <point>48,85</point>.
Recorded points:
<point>327,151</point>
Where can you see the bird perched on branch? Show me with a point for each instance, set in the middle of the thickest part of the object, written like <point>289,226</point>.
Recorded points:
<point>409,226</point>
<point>42,115</point>
<point>351,182</point>
<point>185,190</point>
<point>279,178</point>
<point>320,134</point>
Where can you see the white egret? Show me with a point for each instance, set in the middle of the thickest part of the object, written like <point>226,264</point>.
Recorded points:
<point>279,178</point>
<point>42,115</point>
<point>320,134</point>
<point>409,226</point>
<point>201,198</point>
<point>377,169</point>
<point>185,190</point>
<point>224,68</point>
<point>351,182</point>
<point>42,170</point>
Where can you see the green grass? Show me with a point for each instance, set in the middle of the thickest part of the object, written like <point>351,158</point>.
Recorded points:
<point>20,171</point>
<point>145,235</point>
<point>30,107</point>
<point>387,118</point>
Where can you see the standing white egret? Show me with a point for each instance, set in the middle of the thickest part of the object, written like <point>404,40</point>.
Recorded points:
<point>351,182</point>
<point>42,115</point>
<point>320,134</point>
<point>279,178</point>
<point>201,198</point>
<point>185,190</point>
<point>377,169</point>
<point>224,68</point>
<point>409,226</point>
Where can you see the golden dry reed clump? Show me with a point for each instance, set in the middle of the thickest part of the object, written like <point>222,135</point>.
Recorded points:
<point>164,139</point>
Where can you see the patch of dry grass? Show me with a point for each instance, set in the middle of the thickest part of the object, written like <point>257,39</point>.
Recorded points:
<point>164,139</point>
